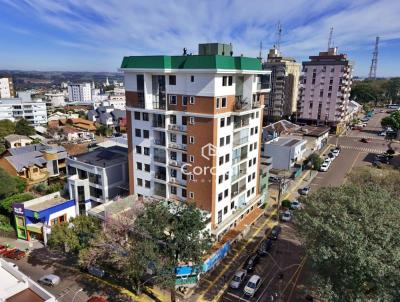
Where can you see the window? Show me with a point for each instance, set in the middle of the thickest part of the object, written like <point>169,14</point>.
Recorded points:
<point>253,175</point>
<point>172,99</point>
<point>252,190</point>
<point>224,80</point>
<point>251,131</point>
<point>255,146</point>
<point>226,210</point>
<point>228,139</point>
<point>174,173</point>
<point>219,216</point>
<point>230,80</point>
<point>172,137</point>
<point>228,120</point>
<point>140,82</point>
<point>191,100</point>
<point>172,119</point>
<point>248,193</point>
<point>139,166</point>
<point>251,147</point>
<point>191,139</point>
<point>146,133</point>
<point>222,122</point>
<point>257,114</point>
<point>256,130</point>
<point>147,184</point>
<point>184,158</point>
<point>250,163</point>
<point>184,139</point>
<point>220,179</point>
<point>184,120</point>
<point>184,100</point>
<point>147,167</point>
<point>217,104</point>
<point>138,133</point>
<point>191,158</point>
<point>219,196</point>
<point>173,190</point>
<point>146,151</point>
<point>249,178</point>
<point>221,160</point>
<point>191,195</point>
<point>145,116</point>
<point>321,93</point>
<point>226,193</point>
<point>223,103</point>
<point>183,192</point>
<point>140,182</point>
<point>329,95</point>
<point>191,176</point>
<point>172,80</point>
<point>192,78</point>
<point>138,150</point>
<point>191,120</point>
<point>254,161</point>
<point>226,175</point>
<point>333,69</point>
<point>232,205</point>
<point>227,158</point>
<point>137,115</point>
<point>221,141</point>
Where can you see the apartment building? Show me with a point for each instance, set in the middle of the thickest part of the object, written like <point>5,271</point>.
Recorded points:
<point>6,88</point>
<point>80,93</point>
<point>194,130</point>
<point>325,90</point>
<point>97,177</point>
<point>285,73</point>
<point>34,111</point>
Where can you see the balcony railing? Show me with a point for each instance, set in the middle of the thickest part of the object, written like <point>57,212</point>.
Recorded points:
<point>177,146</point>
<point>239,175</point>
<point>175,127</point>
<point>159,142</point>
<point>160,159</point>
<point>158,124</point>
<point>176,181</point>
<point>240,141</point>
<point>238,191</point>
<point>160,176</point>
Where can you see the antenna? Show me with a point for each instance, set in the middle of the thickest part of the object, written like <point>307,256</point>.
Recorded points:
<point>330,38</point>
<point>278,36</point>
<point>260,54</point>
<point>374,61</point>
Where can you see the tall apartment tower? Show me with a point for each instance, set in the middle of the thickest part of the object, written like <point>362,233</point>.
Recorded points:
<point>195,130</point>
<point>325,90</point>
<point>6,88</point>
<point>80,92</point>
<point>282,100</point>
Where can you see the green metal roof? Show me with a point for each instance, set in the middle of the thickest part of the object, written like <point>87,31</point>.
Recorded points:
<point>192,62</point>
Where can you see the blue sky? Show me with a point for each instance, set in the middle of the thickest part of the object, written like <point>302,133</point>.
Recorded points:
<point>94,35</point>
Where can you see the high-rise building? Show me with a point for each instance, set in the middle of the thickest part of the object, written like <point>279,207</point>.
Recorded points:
<point>34,111</point>
<point>6,88</point>
<point>325,90</point>
<point>285,73</point>
<point>194,131</point>
<point>80,92</point>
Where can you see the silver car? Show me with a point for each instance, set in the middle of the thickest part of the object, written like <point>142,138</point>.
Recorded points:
<point>50,280</point>
<point>238,278</point>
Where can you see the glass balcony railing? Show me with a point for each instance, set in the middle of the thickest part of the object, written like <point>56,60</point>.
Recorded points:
<point>240,141</point>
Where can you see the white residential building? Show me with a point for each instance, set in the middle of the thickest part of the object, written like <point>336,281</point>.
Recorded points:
<point>33,111</point>
<point>6,88</point>
<point>56,99</point>
<point>80,92</point>
<point>194,131</point>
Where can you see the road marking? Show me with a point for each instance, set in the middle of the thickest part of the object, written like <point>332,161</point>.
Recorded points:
<point>236,296</point>
<point>363,149</point>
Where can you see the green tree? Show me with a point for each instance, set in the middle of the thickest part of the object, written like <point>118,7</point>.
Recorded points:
<point>7,127</point>
<point>103,130</point>
<point>315,161</point>
<point>393,121</point>
<point>351,236</point>
<point>74,235</point>
<point>393,89</point>
<point>22,127</point>
<point>6,203</point>
<point>10,185</point>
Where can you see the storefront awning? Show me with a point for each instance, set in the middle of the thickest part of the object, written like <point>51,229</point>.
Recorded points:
<point>35,227</point>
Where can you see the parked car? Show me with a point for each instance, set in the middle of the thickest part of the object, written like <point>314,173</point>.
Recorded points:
<point>251,263</point>
<point>382,133</point>
<point>305,191</point>
<point>324,167</point>
<point>50,280</point>
<point>8,251</point>
<point>252,285</point>
<point>97,299</point>
<point>383,158</point>
<point>265,247</point>
<point>364,140</point>
<point>273,179</point>
<point>3,248</point>
<point>331,156</point>
<point>286,216</point>
<point>238,278</point>
<point>276,230</point>
<point>16,254</point>
<point>335,152</point>
<point>295,204</point>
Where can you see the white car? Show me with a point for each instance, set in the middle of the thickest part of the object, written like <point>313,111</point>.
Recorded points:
<point>324,167</point>
<point>50,280</point>
<point>383,133</point>
<point>252,286</point>
<point>336,152</point>
<point>295,204</point>
<point>286,216</point>
<point>238,278</point>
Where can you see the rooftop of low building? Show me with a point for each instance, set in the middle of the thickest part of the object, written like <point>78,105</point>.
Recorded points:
<point>104,157</point>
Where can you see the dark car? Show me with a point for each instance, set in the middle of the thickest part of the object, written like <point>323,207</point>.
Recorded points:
<point>251,263</point>
<point>17,255</point>
<point>276,230</point>
<point>364,140</point>
<point>383,158</point>
<point>265,247</point>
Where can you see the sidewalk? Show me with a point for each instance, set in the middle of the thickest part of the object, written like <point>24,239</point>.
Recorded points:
<point>20,244</point>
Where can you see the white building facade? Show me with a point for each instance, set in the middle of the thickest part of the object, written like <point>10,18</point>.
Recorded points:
<point>6,88</point>
<point>34,111</point>
<point>80,92</point>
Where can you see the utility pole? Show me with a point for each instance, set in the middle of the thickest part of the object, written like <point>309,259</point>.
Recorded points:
<point>260,54</point>
<point>374,61</point>
<point>330,38</point>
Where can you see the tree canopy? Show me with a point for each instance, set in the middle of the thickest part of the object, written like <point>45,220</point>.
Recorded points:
<point>22,127</point>
<point>369,91</point>
<point>393,121</point>
<point>9,184</point>
<point>393,89</point>
<point>6,127</point>
<point>351,236</point>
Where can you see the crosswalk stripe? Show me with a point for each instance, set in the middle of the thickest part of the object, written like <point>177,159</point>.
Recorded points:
<point>370,150</point>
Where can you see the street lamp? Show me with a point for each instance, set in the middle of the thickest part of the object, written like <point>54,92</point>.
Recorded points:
<point>79,290</point>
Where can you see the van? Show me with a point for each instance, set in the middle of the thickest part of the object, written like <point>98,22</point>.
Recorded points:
<point>252,286</point>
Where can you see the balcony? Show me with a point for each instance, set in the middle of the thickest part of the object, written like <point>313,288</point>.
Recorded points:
<point>176,181</point>
<point>179,128</point>
<point>159,105</point>
<point>177,197</point>
<point>177,146</point>
<point>175,163</point>
<point>158,124</point>
<point>241,121</point>
<point>160,142</point>
<point>160,159</point>
<point>238,188</point>
<point>242,172</point>
<point>240,141</point>
<point>241,104</point>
